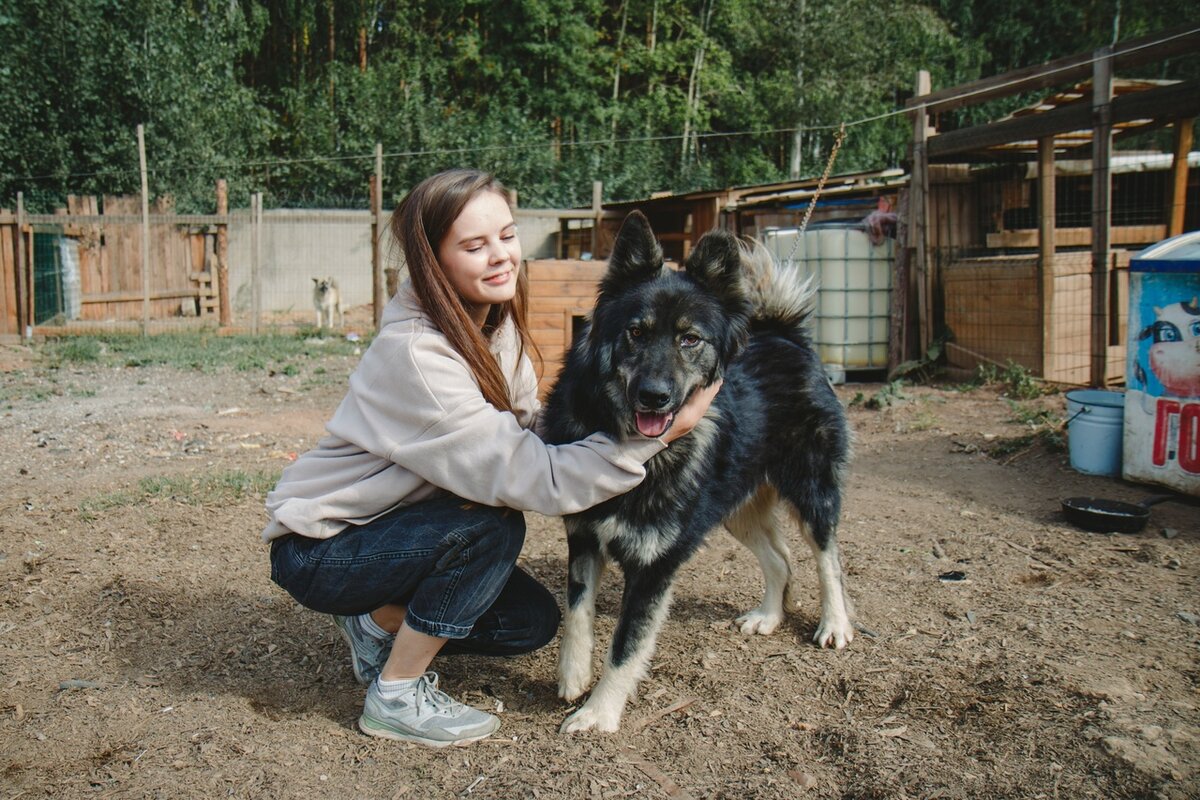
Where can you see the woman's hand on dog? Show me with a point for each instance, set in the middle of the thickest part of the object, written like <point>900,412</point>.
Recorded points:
<point>691,412</point>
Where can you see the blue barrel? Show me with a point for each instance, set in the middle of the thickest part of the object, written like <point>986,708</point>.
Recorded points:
<point>1095,421</point>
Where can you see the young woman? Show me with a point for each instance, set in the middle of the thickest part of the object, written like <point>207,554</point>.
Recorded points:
<point>404,522</point>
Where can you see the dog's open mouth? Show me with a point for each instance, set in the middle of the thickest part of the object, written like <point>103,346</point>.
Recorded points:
<point>653,424</point>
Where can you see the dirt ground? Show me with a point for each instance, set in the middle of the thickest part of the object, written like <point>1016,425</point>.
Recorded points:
<point>145,653</point>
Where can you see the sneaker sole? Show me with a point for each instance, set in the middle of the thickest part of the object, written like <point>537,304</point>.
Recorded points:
<point>373,728</point>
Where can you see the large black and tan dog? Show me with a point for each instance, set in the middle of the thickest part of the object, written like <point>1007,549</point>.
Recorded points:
<point>775,436</point>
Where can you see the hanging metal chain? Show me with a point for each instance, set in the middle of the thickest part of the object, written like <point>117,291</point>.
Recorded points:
<point>837,145</point>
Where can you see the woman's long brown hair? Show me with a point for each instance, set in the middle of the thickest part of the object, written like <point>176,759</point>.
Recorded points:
<point>419,224</point>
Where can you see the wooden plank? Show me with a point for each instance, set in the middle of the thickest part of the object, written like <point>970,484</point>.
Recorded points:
<point>584,290</point>
<point>1131,52</point>
<point>24,275</point>
<point>8,287</point>
<point>130,297</point>
<point>1163,102</point>
<point>1177,186</point>
<point>565,269</point>
<point>538,303</point>
<point>1077,237</point>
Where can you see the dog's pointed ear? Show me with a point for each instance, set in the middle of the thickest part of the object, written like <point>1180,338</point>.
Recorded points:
<point>716,264</point>
<point>636,255</point>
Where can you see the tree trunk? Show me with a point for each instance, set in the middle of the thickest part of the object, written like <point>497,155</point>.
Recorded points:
<point>693,98</point>
<point>616,92</point>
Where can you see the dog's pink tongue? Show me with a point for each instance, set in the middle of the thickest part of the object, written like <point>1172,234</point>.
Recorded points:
<point>653,425</point>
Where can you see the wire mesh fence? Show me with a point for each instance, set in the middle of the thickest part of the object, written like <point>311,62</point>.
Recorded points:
<point>1004,298</point>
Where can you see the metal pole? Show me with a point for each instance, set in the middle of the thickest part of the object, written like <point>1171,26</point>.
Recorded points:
<point>378,290</point>
<point>1101,211</point>
<point>141,138</point>
<point>255,258</point>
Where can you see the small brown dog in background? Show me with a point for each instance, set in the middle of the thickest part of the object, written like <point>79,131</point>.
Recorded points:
<point>327,299</point>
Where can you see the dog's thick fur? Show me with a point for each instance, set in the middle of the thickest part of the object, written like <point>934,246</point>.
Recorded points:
<point>775,436</point>
<point>327,299</point>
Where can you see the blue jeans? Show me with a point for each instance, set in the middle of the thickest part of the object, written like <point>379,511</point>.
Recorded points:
<point>450,562</point>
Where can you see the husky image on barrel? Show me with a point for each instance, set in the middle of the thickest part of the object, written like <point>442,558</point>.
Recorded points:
<point>775,438</point>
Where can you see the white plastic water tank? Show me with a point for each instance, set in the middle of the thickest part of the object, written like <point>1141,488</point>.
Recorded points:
<point>850,323</point>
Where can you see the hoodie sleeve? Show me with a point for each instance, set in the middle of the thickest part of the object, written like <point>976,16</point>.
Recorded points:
<point>414,401</point>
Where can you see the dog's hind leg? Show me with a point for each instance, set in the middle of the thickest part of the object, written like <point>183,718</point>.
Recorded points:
<point>756,525</point>
<point>584,570</point>
<point>644,607</point>
<point>835,628</point>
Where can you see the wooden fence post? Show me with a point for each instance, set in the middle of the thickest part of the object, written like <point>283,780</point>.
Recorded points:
<point>919,209</point>
<point>24,286</point>
<point>141,140</point>
<point>1177,190</point>
<point>597,212</point>
<point>1101,210</point>
<point>1046,227</point>
<point>224,311</point>
<point>379,293</point>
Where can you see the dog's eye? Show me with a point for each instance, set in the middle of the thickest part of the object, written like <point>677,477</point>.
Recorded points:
<point>689,340</point>
<point>635,331</point>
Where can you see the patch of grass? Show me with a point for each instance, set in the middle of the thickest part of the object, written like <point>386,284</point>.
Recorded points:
<point>198,350</point>
<point>228,486</point>
<point>923,421</point>
<point>1015,380</point>
<point>84,350</point>
<point>1044,429</point>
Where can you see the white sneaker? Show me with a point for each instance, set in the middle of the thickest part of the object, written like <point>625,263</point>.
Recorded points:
<point>367,654</point>
<point>424,714</point>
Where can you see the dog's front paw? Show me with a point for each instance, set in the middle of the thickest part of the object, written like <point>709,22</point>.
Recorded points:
<point>572,686</point>
<point>589,718</point>
<point>574,674</point>
<point>758,621</point>
<point>835,632</point>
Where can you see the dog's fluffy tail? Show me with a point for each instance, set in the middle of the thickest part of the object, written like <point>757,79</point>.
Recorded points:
<point>779,296</point>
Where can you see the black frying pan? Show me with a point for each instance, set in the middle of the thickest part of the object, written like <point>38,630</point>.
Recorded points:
<point>1109,516</point>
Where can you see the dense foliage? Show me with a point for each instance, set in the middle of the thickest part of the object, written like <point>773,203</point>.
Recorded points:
<point>290,97</point>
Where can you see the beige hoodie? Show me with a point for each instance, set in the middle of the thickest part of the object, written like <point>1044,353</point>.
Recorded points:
<point>414,424</point>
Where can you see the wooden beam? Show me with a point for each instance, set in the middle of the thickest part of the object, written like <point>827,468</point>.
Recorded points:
<point>898,312</point>
<point>1130,53</point>
<point>1046,246</point>
<point>1101,211</point>
<point>221,251</point>
<point>597,203</point>
<point>919,228</point>
<point>141,141</point>
<point>1177,201</point>
<point>132,297</point>
<point>24,279</point>
<point>1162,102</point>
<point>1078,237</point>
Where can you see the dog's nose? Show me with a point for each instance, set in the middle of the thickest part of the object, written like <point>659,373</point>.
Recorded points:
<point>653,398</point>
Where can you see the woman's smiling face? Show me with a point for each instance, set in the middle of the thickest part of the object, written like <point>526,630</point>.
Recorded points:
<point>481,254</point>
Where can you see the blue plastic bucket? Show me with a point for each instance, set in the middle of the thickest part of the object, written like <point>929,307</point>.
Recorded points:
<point>1095,422</point>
